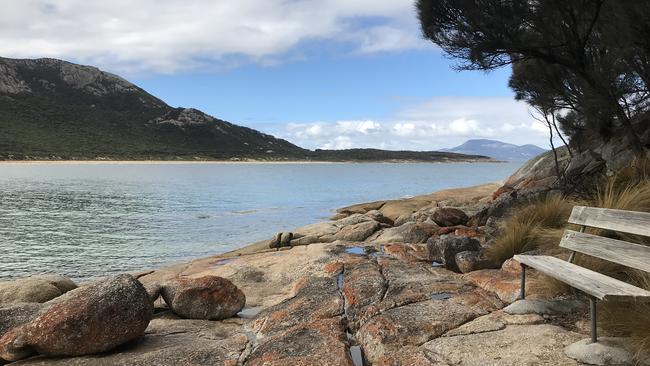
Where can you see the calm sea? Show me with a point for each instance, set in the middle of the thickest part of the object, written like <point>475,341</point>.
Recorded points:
<point>90,220</point>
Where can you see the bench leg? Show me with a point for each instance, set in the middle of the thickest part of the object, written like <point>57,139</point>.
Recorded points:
<point>522,294</point>
<point>594,318</point>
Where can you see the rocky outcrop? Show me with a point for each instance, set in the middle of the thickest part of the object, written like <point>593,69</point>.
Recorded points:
<point>449,216</point>
<point>321,342</point>
<point>357,232</point>
<point>88,320</point>
<point>410,232</point>
<point>443,249</point>
<point>37,289</point>
<point>515,345</point>
<point>209,297</point>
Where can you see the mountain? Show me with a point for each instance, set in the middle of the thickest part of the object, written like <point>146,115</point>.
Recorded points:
<point>498,150</point>
<point>53,109</point>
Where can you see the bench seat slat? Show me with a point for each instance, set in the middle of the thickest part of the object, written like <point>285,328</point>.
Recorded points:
<point>630,222</point>
<point>593,283</point>
<point>612,250</point>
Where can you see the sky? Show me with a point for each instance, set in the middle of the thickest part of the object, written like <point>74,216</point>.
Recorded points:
<point>320,73</point>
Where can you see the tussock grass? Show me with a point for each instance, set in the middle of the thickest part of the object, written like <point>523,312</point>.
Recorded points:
<point>540,225</point>
<point>537,225</point>
<point>518,236</point>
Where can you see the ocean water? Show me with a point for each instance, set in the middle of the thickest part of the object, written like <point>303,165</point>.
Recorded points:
<point>92,220</point>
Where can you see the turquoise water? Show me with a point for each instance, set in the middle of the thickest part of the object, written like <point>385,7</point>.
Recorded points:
<point>90,220</point>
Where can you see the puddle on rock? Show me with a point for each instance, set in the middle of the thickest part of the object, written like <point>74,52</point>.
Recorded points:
<point>221,262</point>
<point>355,250</point>
<point>339,281</point>
<point>357,355</point>
<point>435,264</point>
<point>249,313</point>
<point>441,296</point>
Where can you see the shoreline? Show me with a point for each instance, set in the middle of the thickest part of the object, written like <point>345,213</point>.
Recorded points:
<point>222,162</point>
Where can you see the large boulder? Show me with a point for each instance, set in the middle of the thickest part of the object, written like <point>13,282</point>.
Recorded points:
<point>411,232</point>
<point>13,315</point>
<point>357,232</point>
<point>468,261</point>
<point>88,320</point>
<point>449,216</point>
<point>209,297</point>
<point>396,208</point>
<point>35,289</point>
<point>443,249</point>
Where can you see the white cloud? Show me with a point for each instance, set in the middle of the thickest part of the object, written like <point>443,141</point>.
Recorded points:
<point>440,122</point>
<point>170,35</point>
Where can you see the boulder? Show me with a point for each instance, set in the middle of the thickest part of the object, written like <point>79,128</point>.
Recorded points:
<point>285,239</point>
<point>411,232</point>
<point>543,307</point>
<point>403,219</point>
<point>13,315</point>
<point>396,208</point>
<point>449,216</point>
<point>153,290</point>
<point>360,208</point>
<point>425,214</point>
<point>379,217</point>
<point>607,351</point>
<point>468,261</point>
<point>357,232</point>
<point>209,297</point>
<point>275,241</point>
<point>443,249</point>
<point>35,289</point>
<point>305,240</point>
<point>168,341</point>
<point>88,320</point>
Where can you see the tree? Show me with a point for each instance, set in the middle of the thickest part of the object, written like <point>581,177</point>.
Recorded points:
<point>588,58</point>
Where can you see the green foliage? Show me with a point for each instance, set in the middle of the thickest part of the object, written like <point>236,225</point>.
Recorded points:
<point>588,60</point>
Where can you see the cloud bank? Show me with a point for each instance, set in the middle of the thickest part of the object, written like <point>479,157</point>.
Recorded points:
<point>441,122</point>
<point>169,35</point>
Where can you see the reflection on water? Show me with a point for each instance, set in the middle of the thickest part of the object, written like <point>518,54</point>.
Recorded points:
<point>92,220</point>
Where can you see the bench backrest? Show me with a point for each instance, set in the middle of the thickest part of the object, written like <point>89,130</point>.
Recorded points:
<point>630,222</point>
<point>617,251</point>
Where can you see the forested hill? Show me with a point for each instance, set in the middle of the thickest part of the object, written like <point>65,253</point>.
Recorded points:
<point>52,109</point>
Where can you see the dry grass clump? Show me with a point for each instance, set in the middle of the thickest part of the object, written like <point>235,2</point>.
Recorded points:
<point>537,225</point>
<point>629,319</point>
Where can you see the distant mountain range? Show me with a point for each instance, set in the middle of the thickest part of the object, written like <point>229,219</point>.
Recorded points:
<point>498,150</point>
<point>53,109</point>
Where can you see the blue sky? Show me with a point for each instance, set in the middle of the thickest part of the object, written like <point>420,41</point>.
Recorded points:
<point>320,73</point>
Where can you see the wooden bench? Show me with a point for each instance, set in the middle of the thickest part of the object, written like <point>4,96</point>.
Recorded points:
<point>596,285</point>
